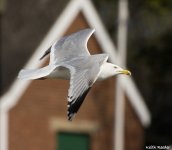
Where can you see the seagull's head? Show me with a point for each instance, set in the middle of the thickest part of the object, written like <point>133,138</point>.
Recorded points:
<point>119,70</point>
<point>109,70</point>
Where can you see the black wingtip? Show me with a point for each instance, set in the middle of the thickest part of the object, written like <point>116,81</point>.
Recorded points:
<point>74,105</point>
<point>46,53</point>
<point>70,116</point>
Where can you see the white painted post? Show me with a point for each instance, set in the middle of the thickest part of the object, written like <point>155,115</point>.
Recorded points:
<point>119,99</point>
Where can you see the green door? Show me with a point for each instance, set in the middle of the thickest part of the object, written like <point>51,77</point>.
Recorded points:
<point>73,141</point>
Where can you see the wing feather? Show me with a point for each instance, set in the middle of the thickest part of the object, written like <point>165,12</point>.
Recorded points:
<point>83,77</point>
<point>78,90</point>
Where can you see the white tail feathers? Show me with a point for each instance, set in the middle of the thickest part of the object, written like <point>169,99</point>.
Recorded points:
<point>30,74</point>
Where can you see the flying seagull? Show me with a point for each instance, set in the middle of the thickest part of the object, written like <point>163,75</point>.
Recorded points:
<point>71,60</point>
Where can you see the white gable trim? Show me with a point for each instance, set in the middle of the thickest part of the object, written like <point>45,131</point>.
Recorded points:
<point>11,98</point>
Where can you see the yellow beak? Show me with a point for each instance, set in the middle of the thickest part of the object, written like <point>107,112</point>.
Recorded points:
<point>127,72</point>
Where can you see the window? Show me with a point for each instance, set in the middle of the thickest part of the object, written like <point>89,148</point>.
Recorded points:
<point>73,141</point>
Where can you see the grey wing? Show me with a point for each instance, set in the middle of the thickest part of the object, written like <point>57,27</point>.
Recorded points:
<point>36,73</point>
<point>80,84</point>
<point>70,46</point>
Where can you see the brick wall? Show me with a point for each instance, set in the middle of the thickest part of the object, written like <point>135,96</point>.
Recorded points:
<point>134,132</point>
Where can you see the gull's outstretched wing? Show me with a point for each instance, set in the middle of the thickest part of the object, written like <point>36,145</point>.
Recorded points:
<point>73,45</point>
<point>36,73</point>
<point>83,75</point>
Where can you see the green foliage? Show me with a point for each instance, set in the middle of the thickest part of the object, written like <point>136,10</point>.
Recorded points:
<point>159,6</point>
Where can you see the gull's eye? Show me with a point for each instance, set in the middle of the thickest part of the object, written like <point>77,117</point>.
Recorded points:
<point>115,67</point>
